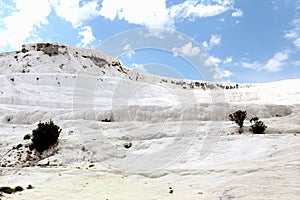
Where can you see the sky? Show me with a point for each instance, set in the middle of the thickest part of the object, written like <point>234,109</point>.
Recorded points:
<point>246,40</point>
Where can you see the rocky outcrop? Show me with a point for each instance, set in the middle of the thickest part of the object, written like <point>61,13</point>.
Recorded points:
<point>58,57</point>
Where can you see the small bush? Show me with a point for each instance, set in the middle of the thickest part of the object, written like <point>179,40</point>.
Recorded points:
<point>127,145</point>
<point>254,119</point>
<point>44,136</point>
<point>29,187</point>
<point>257,127</point>
<point>7,190</point>
<point>238,117</point>
<point>27,137</point>
<point>19,189</point>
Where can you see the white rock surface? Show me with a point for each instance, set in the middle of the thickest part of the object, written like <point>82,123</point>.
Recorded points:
<point>181,139</point>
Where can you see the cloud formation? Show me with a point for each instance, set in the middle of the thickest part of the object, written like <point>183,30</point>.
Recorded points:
<point>156,14</point>
<point>274,64</point>
<point>149,13</point>
<point>277,61</point>
<point>213,61</point>
<point>237,13</point>
<point>186,50</point>
<point>128,51</point>
<point>21,23</point>
<point>226,74</point>
<point>86,35</point>
<point>294,33</point>
<point>73,12</point>
<point>214,41</point>
<point>139,68</point>
<point>193,9</point>
<point>228,60</point>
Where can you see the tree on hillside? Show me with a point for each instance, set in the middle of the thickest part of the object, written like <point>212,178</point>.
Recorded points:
<point>44,136</point>
<point>238,117</point>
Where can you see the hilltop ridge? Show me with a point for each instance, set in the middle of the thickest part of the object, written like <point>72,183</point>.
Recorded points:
<point>56,57</point>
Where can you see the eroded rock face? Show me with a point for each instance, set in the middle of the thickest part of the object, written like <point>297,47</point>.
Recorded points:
<point>56,57</point>
<point>51,49</point>
<point>100,62</point>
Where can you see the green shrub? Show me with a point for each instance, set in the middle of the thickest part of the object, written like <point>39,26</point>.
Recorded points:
<point>18,189</point>
<point>238,117</point>
<point>254,119</point>
<point>7,190</point>
<point>27,137</point>
<point>257,127</point>
<point>44,136</point>
<point>29,187</point>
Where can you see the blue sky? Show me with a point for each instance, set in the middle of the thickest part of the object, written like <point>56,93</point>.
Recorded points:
<point>247,40</point>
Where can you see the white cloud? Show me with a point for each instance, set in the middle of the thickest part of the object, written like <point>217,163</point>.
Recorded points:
<point>73,12</point>
<point>254,65</point>
<point>218,74</point>
<point>192,9</point>
<point>128,51</point>
<point>139,68</point>
<point>6,8</point>
<point>212,61</point>
<point>214,41</point>
<point>294,33</point>
<point>297,42</point>
<point>274,64</point>
<point>157,33</point>
<point>186,50</point>
<point>86,35</point>
<point>150,13</point>
<point>24,21</point>
<point>277,62</point>
<point>205,45</point>
<point>294,36</point>
<point>21,24</point>
<point>297,63</point>
<point>155,14</point>
<point>216,60</point>
<point>226,74</point>
<point>237,13</point>
<point>227,60</point>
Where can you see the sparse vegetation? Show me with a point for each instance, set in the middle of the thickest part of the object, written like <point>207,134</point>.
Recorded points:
<point>29,187</point>
<point>27,137</point>
<point>171,190</point>
<point>254,119</point>
<point>45,136</point>
<point>19,189</point>
<point>9,190</point>
<point>19,146</point>
<point>106,120</point>
<point>127,145</point>
<point>238,117</point>
<point>257,127</point>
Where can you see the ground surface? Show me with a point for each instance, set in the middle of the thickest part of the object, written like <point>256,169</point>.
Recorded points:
<point>128,139</point>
